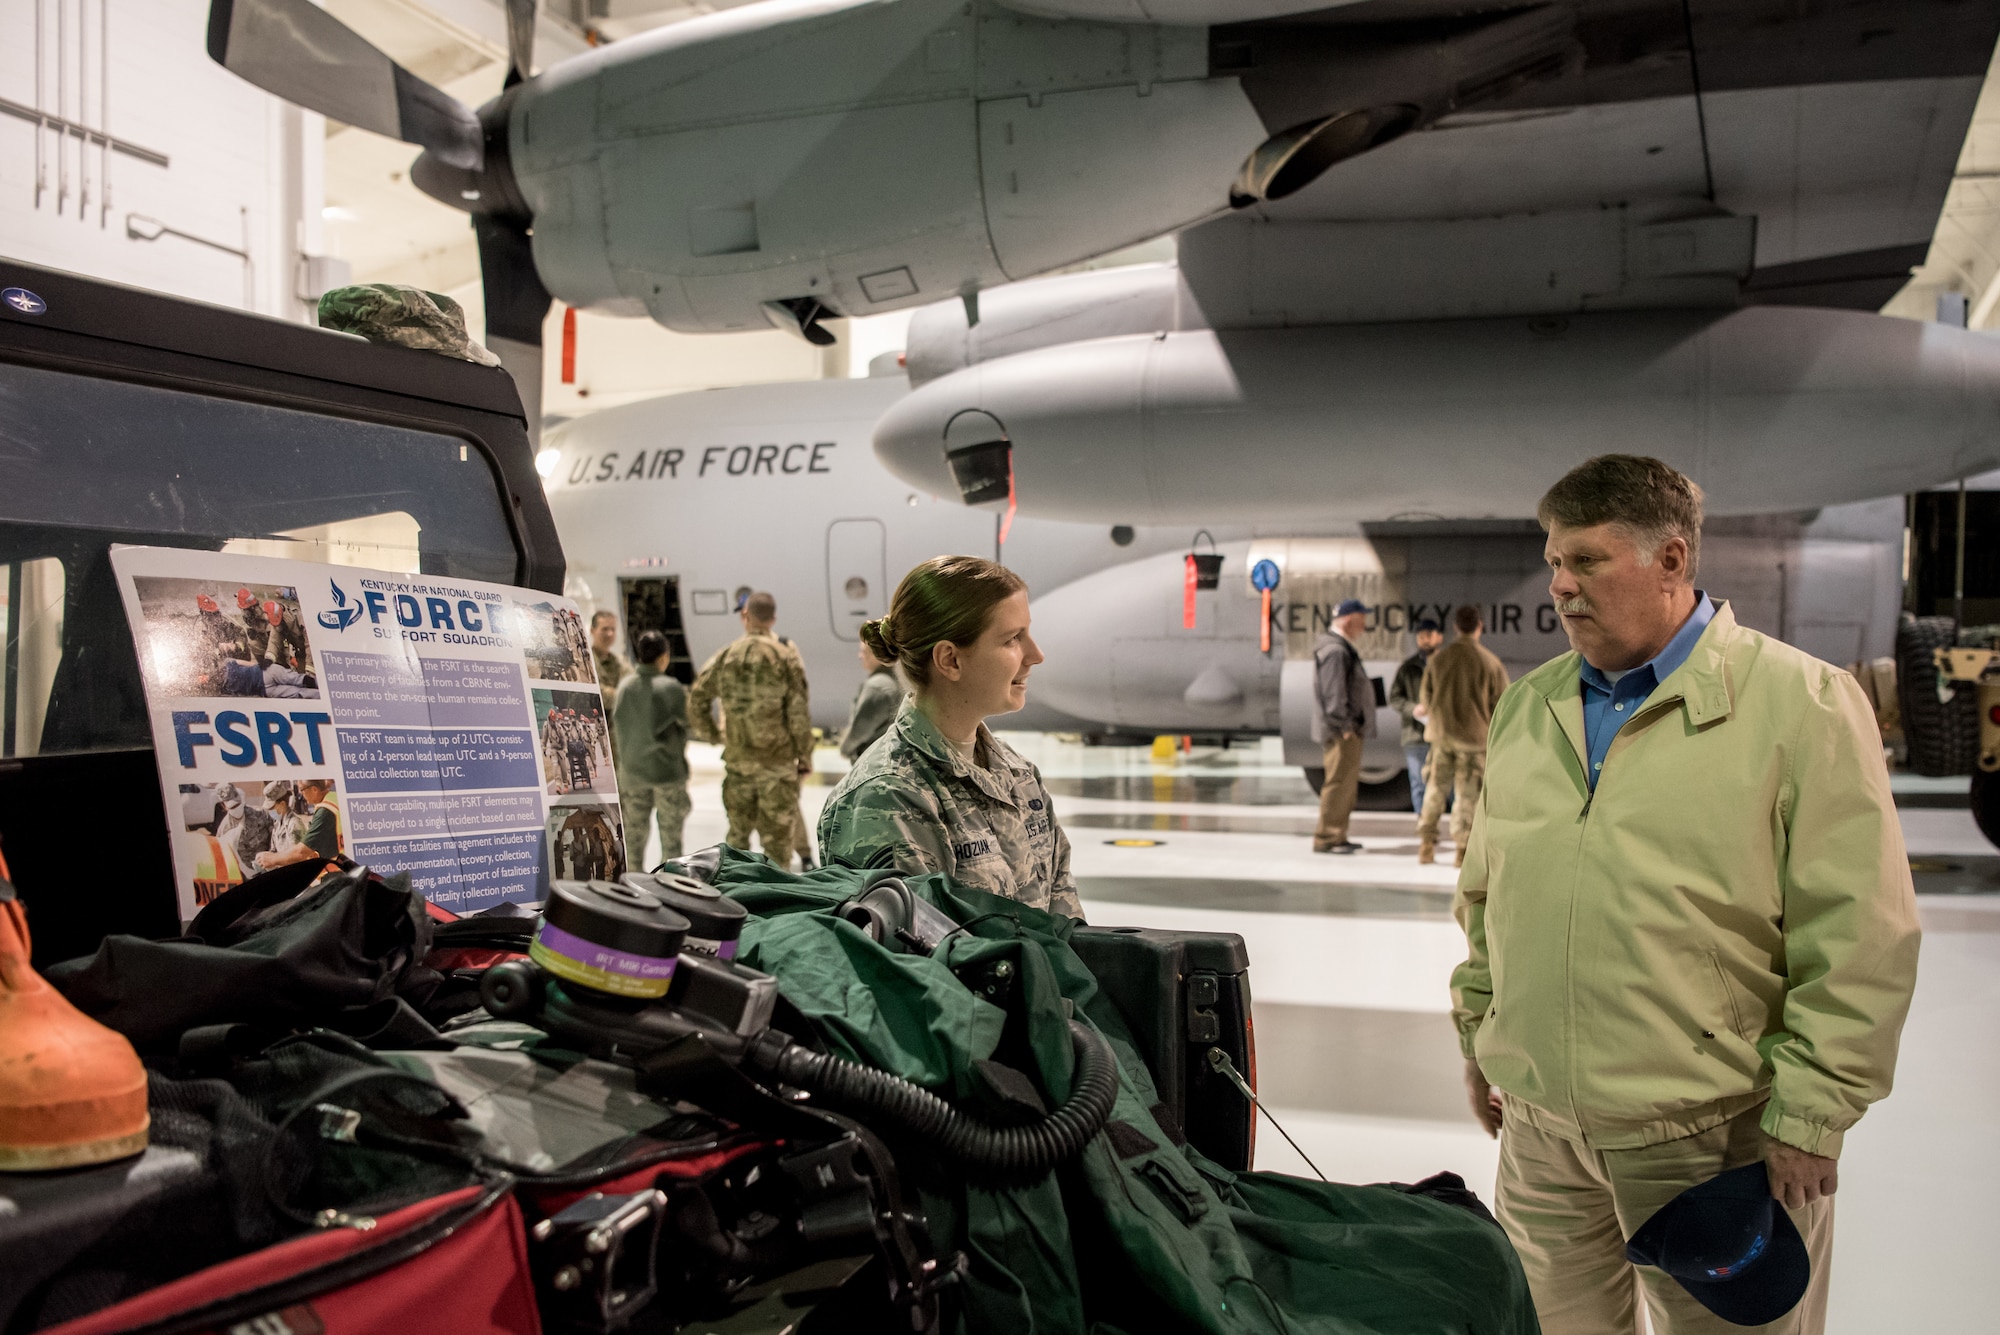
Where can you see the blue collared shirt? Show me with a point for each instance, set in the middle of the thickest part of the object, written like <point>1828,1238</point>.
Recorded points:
<point>1607,706</point>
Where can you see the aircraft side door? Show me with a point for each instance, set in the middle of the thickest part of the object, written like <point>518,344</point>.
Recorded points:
<point>856,574</point>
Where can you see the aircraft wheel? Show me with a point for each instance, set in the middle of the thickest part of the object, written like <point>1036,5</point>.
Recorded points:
<point>1392,794</point>
<point>1986,804</point>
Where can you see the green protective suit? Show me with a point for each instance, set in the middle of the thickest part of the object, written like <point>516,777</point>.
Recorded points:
<point>1138,1235</point>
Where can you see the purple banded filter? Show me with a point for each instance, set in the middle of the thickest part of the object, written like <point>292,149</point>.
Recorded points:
<point>609,938</point>
<point>715,921</point>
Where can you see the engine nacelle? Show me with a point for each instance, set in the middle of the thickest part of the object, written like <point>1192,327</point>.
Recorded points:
<point>1769,408</point>
<point>805,157</point>
<point>1119,650</point>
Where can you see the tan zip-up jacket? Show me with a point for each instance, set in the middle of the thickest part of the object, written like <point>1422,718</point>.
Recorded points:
<point>1462,685</point>
<point>1728,919</point>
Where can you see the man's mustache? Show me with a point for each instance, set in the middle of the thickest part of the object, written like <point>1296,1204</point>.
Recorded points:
<point>1573,606</point>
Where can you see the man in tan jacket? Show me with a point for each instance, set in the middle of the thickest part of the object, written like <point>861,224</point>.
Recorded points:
<point>1692,931</point>
<point>1461,686</point>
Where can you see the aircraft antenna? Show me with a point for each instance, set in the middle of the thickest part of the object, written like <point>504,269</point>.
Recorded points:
<point>1700,114</point>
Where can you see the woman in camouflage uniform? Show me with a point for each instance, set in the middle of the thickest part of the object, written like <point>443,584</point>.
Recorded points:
<point>938,792</point>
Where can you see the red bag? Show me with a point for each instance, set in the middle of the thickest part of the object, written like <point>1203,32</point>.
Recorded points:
<point>469,1244</point>
<point>460,1261</point>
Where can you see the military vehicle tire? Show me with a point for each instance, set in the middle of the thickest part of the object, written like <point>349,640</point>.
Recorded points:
<point>1986,804</point>
<point>1943,735</point>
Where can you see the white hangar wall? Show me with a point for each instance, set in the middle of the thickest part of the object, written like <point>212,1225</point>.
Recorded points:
<point>126,154</point>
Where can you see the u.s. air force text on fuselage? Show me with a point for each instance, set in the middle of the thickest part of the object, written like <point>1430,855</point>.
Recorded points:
<point>720,460</point>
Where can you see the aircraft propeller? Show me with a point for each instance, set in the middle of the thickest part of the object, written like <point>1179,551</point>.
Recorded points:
<point>297,51</point>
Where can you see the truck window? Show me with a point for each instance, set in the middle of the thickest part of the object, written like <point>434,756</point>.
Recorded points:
<point>391,541</point>
<point>88,462</point>
<point>34,594</point>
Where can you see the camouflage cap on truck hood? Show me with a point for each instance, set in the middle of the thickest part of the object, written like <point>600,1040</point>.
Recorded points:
<point>407,317</point>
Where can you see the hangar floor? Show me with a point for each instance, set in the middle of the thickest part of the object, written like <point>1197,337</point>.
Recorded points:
<point>1356,1054</point>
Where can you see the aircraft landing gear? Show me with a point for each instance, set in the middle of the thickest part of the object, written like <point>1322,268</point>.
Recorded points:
<point>1390,793</point>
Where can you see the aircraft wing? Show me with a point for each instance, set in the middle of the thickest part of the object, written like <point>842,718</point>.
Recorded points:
<point>1661,155</point>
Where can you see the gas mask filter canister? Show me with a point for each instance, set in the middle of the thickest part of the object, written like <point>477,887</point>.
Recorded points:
<point>715,921</point>
<point>612,939</point>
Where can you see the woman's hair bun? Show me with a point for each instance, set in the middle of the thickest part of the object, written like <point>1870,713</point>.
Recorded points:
<point>875,634</point>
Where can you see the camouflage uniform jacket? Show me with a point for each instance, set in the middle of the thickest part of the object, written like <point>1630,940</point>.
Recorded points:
<point>766,719</point>
<point>611,672</point>
<point>912,802</point>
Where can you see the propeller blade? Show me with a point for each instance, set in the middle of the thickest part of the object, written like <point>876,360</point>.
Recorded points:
<point>516,305</point>
<point>520,40</point>
<point>297,51</point>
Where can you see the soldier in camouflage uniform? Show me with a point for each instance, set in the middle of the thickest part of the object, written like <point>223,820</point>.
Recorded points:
<point>939,792</point>
<point>915,804</point>
<point>766,730</point>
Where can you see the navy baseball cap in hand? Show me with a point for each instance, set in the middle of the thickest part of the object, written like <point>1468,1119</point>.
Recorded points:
<point>1729,1243</point>
<point>1349,607</point>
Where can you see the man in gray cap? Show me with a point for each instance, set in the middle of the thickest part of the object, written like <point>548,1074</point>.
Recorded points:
<point>1344,720</point>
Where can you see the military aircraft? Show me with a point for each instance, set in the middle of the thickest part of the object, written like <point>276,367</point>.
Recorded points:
<point>654,500</point>
<point>1431,252</point>
<point>1429,247</point>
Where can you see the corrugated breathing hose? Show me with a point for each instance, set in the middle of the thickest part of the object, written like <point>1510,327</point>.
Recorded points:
<point>1025,1151</point>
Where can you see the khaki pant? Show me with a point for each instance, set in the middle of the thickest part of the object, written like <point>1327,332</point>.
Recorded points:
<point>1337,794</point>
<point>1569,1209</point>
<point>766,801</point>
<point>1451,768</point>
<point>640,802</point>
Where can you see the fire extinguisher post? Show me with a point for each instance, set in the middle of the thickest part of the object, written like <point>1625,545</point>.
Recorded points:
<point>1203,570</point>
<point>1264,578</point>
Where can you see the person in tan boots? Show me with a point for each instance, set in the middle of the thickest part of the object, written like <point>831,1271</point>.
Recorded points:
<point>1462,683</point>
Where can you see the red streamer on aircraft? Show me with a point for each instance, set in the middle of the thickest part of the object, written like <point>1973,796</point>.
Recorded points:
<point>1007,524</point>
<point>1188,587</point>
<point>1264,626</point>
<point>569,346</point>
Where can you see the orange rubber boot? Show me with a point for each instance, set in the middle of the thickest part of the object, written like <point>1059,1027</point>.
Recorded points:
<point>72,1092</point>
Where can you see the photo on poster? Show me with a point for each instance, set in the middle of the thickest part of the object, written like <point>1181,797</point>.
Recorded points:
<point>576,741</point>
<point>210,638</point>
<point>553,643</point>
<point>233,830</point>
<point>586,842</point>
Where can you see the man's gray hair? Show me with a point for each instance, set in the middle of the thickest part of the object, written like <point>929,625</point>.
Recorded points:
<point>1651,501</point>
